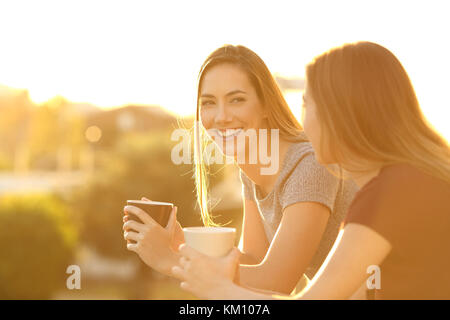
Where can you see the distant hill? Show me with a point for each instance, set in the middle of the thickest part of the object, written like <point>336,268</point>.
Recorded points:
<point>85,108</point>
<point>136,118</point>
<point>18,107</point>
<point>143,119</point>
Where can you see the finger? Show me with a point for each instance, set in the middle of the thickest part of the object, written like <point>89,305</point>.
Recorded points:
<point>172,220</point>
<point>141,214</point>
<point>134,225</point>
<point>189,252</point>
<point>145,199</point>
<point>130,235</point>
<point>178,234</point>
<point>125,218</point>
<point>185,286</point>
<point>178,273</point>
<point>183,262</point>
<point>132,247</point>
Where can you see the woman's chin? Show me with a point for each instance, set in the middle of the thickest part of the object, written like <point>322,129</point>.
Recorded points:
<point>233,151</point>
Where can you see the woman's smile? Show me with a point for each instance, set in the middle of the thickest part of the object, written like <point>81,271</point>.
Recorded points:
<point>229,133</point>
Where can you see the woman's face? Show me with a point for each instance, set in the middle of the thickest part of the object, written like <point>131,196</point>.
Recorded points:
<point>312,127</point>
<point>229,105</point>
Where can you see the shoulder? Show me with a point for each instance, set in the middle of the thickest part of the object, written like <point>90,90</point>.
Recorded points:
<point>309,181</point>
<point>407,179</point>
<point>300,160</point>
<point>400,181</point>
<point>382,187</point>
<point>398,191</point>
<point>400,199</point>
<point>307,171</point>
<point>299,150</point>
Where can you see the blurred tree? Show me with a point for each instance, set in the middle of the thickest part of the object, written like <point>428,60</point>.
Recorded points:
<point>139,165</point>
<point>16,109</point>
<point>44,138</point>
<point>37,242</point>
<point>56,128</point>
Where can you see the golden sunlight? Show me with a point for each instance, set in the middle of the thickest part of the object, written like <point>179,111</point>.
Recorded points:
<point>147,53</point>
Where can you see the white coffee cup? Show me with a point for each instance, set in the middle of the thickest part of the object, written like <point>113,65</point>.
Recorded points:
<point>212,241</point>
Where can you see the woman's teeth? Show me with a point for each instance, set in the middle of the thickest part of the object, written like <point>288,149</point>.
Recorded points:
<point>228,133</point>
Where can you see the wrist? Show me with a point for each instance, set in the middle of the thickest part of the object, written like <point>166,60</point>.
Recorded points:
<point>235,292</point>
<point>173,260</point>
<point>225,290</point>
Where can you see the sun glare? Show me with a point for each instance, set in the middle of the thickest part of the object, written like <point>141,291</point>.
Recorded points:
<point>116,53</point>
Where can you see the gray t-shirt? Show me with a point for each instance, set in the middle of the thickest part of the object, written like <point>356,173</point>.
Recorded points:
<point>303,179</point>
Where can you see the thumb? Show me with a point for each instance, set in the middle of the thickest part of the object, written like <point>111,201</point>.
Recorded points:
<point>172,220</point>
<point>145,199</point>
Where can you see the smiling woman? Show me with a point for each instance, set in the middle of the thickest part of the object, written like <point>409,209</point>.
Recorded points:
<point>237,91</point>
<point>230,112</point>
<point>208,102</point>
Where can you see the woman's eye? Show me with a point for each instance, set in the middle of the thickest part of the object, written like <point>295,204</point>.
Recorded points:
<point>238,99</point>
<point>207,103</point>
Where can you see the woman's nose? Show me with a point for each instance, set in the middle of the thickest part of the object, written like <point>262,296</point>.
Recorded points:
<point>222,116</point>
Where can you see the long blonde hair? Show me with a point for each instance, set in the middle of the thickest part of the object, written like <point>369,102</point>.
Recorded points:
<point>278,112</point>
<point>367,107</point>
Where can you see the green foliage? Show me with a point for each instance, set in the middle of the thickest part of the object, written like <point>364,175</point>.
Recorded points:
<point>37,242</point>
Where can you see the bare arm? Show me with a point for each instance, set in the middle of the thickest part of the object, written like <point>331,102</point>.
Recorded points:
<point>291,251</point>
<point>253,244</point>
<point>346,266</point>
<point>356,248</point>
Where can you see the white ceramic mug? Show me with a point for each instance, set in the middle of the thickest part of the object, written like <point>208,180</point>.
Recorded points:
<point>212,241</point>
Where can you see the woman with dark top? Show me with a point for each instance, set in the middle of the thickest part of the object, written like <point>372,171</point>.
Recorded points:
<point>361,112</point>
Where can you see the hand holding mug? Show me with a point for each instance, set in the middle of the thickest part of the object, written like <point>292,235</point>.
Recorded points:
<point>156,245</point>
<point>207,277</point>
<point>208,263</point>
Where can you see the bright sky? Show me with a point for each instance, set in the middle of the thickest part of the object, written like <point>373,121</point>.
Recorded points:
<point>112,53</point>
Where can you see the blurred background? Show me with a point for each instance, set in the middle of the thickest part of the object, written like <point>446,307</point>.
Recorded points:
<point>91,91</point>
